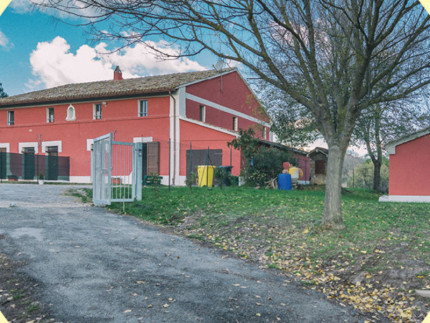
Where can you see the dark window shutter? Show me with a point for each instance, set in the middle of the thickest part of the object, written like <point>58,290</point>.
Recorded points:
<point>153,153</point>
<point>320,167</point>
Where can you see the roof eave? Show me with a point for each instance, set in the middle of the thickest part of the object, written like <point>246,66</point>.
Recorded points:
<point>390,147</point>
<point>76,99</point>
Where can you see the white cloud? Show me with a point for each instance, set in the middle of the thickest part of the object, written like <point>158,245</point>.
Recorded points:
<point>25,6</point>
<point>4,41</point>
<point>53,64</point>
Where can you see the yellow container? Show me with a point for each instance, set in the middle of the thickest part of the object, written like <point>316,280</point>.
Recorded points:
<point>294,172</point>
<point>206,175</point>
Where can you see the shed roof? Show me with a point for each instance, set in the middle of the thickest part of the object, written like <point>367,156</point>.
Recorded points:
<point>282,146</point>
<point>391,146</point>
<point>110,89</point>
<point>318,150</point>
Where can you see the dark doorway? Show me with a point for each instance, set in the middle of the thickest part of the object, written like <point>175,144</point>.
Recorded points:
<point>150,159</point>
<point>3,161</point>
<point>198,157</point>
<point>52,163</point>
<point>28,163</point>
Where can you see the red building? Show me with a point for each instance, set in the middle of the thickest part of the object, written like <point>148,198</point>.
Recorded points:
<point>409,168</point>
<point>171,114</point>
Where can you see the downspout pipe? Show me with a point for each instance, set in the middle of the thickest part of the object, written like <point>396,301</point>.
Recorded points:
<point>174,138</point>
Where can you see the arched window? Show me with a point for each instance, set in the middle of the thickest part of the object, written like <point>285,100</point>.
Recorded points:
<point>71,114</point>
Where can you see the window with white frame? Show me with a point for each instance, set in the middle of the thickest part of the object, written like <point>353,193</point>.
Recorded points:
<point>10,118</point>
<point>71,114</point>
<point>97,112</point>
<point>143,108</point>
<point>235,124</point>
<point>49,115</point>
<point>202,113</point>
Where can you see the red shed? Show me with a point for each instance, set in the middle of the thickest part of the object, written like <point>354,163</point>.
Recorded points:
<point>409,168</point>
<point>173,115</point>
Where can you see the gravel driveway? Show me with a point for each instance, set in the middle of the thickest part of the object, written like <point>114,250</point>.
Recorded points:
<point>95,266</point>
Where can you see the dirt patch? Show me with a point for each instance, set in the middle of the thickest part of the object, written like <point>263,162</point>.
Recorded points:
<point>380,282</point>
<point>19,295</point>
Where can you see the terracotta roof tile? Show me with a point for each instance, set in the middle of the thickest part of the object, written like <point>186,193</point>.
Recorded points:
<point>109,89</point>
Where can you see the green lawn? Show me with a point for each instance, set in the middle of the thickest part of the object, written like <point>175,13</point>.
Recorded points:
<point>375,264</point>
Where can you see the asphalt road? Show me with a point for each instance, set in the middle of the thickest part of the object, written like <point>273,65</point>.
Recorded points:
<point>95,266</point>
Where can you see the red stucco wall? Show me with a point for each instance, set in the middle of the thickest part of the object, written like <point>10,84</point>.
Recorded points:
<point>229,91</point>
<point>117,116</point>
<point>207,138</point>
<point>410,168</point>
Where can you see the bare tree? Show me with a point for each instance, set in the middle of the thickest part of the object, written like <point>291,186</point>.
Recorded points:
<point>316,51</point>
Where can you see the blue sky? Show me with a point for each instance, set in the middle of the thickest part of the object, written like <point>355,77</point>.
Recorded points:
<point>38,51</point>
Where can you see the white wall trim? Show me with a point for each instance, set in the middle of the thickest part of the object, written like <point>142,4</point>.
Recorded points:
<point>23,145</point>
<point>175,138</point>
<point>405,198</point>
<point>232,133</point>
<point>225,109</point>
<point>5,145</point>
<point>90,142</point>
<point>70,116</point>
<point>179,182</point>
<point>178,138</point>
<point>182,101</point>
<point>142,139</point>
<point>391,146</point>
<point>80,179</point>
<point>57,143</point>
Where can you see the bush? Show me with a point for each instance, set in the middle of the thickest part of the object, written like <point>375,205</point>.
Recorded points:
<point>265,165</point>
<point>261,163</point>
<point>191,180</point>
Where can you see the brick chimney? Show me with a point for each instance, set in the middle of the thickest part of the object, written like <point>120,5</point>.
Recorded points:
<point>117,74</point>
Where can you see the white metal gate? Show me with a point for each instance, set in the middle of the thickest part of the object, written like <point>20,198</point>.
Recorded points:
<point>116,171</point>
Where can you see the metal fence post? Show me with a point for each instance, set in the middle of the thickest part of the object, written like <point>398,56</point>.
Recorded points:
<point>137,171</point>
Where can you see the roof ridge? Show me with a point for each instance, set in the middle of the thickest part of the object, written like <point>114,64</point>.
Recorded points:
<point>111,88</point>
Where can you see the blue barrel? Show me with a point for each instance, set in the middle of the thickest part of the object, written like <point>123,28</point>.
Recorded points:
<point>284,182</point>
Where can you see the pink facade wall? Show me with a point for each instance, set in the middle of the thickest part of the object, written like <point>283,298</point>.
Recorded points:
<point>118,116</point>
<point>410,168</point>
<point>208,138</point>
<point>121,117</point>
<point>231,92</point>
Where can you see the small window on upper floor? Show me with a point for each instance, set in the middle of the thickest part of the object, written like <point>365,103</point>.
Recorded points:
<point>49,115</point>
<point>11,118</point>
<point>97,111</point>
<point>71,114</point>
<point>265,133</point>
<point>143,108</point>
<point>202,113</point>
<point>235,124</point>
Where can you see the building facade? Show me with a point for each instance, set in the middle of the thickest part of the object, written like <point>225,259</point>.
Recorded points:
<point>409,168</point>
<point>182,119</point>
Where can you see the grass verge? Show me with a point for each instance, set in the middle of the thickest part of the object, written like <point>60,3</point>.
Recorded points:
<point>375,264</point>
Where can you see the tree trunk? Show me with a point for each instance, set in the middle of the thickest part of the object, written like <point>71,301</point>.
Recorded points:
<point>377,175</point>
<point>332,208</point>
